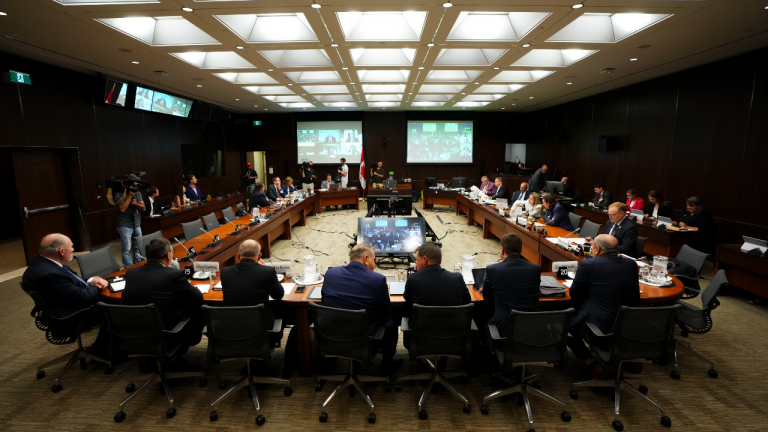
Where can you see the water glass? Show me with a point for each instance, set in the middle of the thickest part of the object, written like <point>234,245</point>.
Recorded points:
<point>401,275</point>
<point>318,270</point>
<point>457,268</point>
<point>654,276</point>
<point>587,248</point>
<point>645,271</point>
<point>212,279</point>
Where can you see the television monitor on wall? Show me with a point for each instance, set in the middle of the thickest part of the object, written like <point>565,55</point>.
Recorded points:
<point>391,236</point>
<point>115,93</point>
<point>326,142</point>
<point>439,142</point>
<point>155,101</point>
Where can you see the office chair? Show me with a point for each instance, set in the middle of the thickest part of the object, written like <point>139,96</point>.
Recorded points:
<point>692,319</point>
<point>62,331</point>
<point>211,222</point>
<point>143,241</point>
<point>590,229</point>
<point>192,229</point>
<point>228,214</point>
<point>533,339</point>
<point>638,334</point>
<point>138,332</point>
<point>100,262</point>
<point>242,333</point>
<point>438,332</point>
<point>640,247</point>
<point>241,209</point>
<point>575,219</point>
<point>696,259</point>
<point>344,334</point>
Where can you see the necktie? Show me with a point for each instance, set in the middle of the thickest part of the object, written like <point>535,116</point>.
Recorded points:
<point>82,281</point>
<point>613,229</point>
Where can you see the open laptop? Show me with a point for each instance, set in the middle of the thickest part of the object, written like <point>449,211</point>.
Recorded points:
<point>637,214</point>
<point>753,243</point>
<point>663,221</point>
<point>334,186</point>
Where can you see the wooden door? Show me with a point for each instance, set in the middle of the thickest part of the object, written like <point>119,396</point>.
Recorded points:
<point>44,198</point>
<point>271,159</point>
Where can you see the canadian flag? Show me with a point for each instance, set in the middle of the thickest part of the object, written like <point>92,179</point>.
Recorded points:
<point>362,170</point>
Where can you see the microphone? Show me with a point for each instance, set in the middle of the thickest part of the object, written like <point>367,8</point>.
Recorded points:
<point>576,231</point>
<point>215,242</point>
<point>237,230</point>
<point>190,254</point>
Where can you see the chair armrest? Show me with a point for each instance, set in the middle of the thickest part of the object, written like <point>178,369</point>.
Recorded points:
<point>180,325</point>
<point>379,333</point>
<point>72,315</point>
<point>495,333</point>
<point>277,327</point>
<point>472,325</point>
<point>597,332</point>
<point>404,324</point>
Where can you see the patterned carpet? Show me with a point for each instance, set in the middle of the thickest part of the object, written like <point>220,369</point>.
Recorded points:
<point>734,401</point>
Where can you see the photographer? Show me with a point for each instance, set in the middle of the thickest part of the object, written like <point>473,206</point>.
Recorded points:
<point>308,176</point>
<point>250,178</point>
<point>129,219</point>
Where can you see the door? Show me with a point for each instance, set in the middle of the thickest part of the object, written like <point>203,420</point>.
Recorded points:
<point>44,197</point>
<point>271,160</point>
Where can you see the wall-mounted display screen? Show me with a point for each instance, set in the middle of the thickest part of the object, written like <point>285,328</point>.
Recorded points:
<point>327,142</point>
<point>441,142</point>
<point>155,101</point>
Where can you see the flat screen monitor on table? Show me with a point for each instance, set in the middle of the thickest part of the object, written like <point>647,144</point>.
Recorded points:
<point>391,236</point>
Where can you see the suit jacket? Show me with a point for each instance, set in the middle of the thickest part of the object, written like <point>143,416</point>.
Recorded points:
<point>354,287</point>
<point>60,288</point>
<point>601,286</point>
<point>639,204</point>
<point>435,286</point>
<point>273,193</point>
<point>568,191</point>
<point>606,202</point>
<point>167,288</point>
<point>150,209</point>
<point>490,188</point>
<point>249,283</point>
<point>626,234</point>
<point>258,199</point>
<point>511,284</point>
<point>518,196</point>
<point>502,192</point>
<point>558,217</point>
<point>664,209</point>
<point>193,193</point>
<point>538,181</point>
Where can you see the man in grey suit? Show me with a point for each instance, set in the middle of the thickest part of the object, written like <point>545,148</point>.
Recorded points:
<point>539,179</point>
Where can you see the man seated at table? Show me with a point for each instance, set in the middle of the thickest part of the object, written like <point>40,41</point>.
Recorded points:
<point>522,194</point>
<point>511,284</point>
<point>275,190</point>
<point>325,184</point>
<point>250,282</point>
<point>501,190</point>
<point>257,198</point>
<point>356,286</point>
<point>622,228</point>
<point>487,187</point>
<point>600,287</point>
<point>602,197</point>
<point>151,206</point>
<point>62,290</point>
<point>556,214</point>
<point>161,282</point>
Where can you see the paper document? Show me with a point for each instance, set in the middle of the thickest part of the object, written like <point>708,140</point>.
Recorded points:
<point>203,288</point>
<point>568,283</point>
<point>117,286</point>
<point>539,225</point>
<point>316,293</point>
<point>288,287</point>
<point>217,286</point>
<point>396,288</point>
<point>577,240</point>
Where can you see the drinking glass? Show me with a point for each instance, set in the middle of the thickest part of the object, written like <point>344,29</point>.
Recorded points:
<point>654,276</point>
<point>318,270</point>
<point>645,272</point>
<point>457,268</point>
<point>401,275</point>
<point>587,248</point>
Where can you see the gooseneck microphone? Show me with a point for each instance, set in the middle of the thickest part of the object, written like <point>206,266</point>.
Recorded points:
<point>237,227</point>
<point>190,254</point>
<point>215,242</point>
<point>576,231</point>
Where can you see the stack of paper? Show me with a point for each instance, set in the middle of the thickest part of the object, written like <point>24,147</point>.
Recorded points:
<point>550,287</point>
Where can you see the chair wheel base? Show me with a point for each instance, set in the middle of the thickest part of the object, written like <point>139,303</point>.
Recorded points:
<point>222,385</point>
<point>574,394</point>
<point>531,430</point>
<point>56,388</point>
<point>466,409</point>
<point>398,388</point>
<point>170,412</point>
<point>388,388</point>
<point>675,374</point>
<point>537,385</point>
<point>617,425</point>
<point>643,389</point>
<point>288,391</point>
<point>109,370</point>
<point>351,391</point>
<point>372,418</point>
<point>666,421</point>
<point>40,374</point>
<point>260,420</point>
<point>484,409</point>
<point>422,414</point>
<point>712,373</point>
<point>323,417</point>
<point>83,364</point>
<point>565,416</point>
<point>202,383</point>
<point>318,387</point>
<point>130,388</point>
<point>213,415</point>
<point>119,416</point>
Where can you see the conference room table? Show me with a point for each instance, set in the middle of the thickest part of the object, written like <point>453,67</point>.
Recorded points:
<point>445,197</point>
<point>660,241</point>
<point>748,272</point>
<point>170,225</point>
<point>339,197</point>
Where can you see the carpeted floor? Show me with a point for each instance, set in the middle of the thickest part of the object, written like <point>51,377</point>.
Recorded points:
<point>734,401</point>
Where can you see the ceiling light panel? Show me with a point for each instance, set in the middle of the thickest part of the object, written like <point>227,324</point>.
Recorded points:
<point>499,88</point>
<point>552,57</point>
<point>470,104</point>
<point>315,77</point>
<point>269,90</point>
<point>293,98</point>
<point>427,104</point>
<point>160,31</point>
<point>440,88</point>
<point>383,75</point>
<point>383,98</point>
<point>382,56</point>
<point>483,98</point>
<point>296,105</point>
<point>452,75</point>
<point>520,76</point>
<point>383,104</point>
<point>297,58</point>
<point>320,89</point>
<point>341,105</point>
<point>383,88</point>
<point>468,57</point>
<point>335,98</point>
<point>214,60</point>
<point>247,78</point>
<point>270,27</point>
<point>432,97</point>
<point>495,26</point>
<point>606,28</point>
<point>382,26</point>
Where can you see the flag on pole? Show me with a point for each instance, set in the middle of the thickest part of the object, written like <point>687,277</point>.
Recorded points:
<point>362,170</point>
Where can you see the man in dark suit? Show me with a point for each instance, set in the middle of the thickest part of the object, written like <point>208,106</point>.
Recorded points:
<point>568,190</point>
<point>151,206</point>
<point>356,286</point>
<point>522,194</point>
<point>511,284</point>
<point>539,179</point>
<point>602,197</point>
<point>275,191</point>
<point>62,290</point>
<point>258,198</point>
<point>601,286</point>
<point>160,281</point>
<point>193,192</point>
<point>501,190</point>
<point>622,228</point>
<point>556,214</point>
<point>433,285</point>
<point>250,282</point>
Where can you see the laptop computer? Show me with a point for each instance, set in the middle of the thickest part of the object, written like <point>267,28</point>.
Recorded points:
<point>334,186</point>
<point>663,221</point>
<point>753,243</point>
<point>479,275</point>
<point>637,214</point>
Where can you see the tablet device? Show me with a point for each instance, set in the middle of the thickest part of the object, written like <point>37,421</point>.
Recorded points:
<point>479,275</point>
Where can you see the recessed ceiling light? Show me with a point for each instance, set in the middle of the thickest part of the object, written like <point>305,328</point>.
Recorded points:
<point>633,59</point>
<point>290,84</point>
<point>503,108</point>
<point>577,6</point>
<point>410,93</point>
<point>495,68</point>
<point>334,45</point>
<point>569,83</point>
<point>430,44</point>
<point>239,47</point>
<point>351,83</point>
<point>315,5</point>
<point>270,70</point>
<point>187,9</point>
<point>530,97</point>
<point>526,45</point>
<point>421,67</point>
<point>266,109</point>
<point>514,104</point>
<point>448,4</point>
<point>344,68</point>
<point>4,14</point>
<point>237,99</point>
<point>135,62</point>
<point>199,85</point>
<point>463,93</point>
<point>255,106</point>
<point>477,83</point>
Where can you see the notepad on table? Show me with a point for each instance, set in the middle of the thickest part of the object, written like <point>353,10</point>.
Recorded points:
<point>396,288</point>
<point>316,293</point>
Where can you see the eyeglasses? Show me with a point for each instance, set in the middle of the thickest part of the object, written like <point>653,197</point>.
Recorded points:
<point>613,215</point>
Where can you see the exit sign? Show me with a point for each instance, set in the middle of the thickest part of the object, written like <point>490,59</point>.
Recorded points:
<point>257,123</point>
<point>20,77</point>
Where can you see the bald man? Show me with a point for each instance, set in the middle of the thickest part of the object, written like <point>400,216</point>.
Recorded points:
<point>62,290</point>
<point>539,179</point>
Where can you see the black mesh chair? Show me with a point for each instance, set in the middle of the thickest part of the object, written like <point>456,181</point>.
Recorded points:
<point>533,339</point>
<point>640,247</point>
<point>143,241</point>
<point>575,219</point>
<point>228,214</point>
<point>590,229</point>
<point>241,209</point>
<point>211,222</point>
<point>692,319</point>
<point>438,332</point>
<point>696,259</point>
<point>63,331</point>
<point>100,262</point>
<point>138,331</point>
<point>639,334</point>
<point>192,229</point>
<point>242,333</point>
<point>344,334</point>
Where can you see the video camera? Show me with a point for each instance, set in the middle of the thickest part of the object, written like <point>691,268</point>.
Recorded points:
<point>131,182</point>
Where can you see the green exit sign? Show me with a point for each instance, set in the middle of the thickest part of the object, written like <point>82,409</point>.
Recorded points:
<point>20,77</point>
<point>257,123</point>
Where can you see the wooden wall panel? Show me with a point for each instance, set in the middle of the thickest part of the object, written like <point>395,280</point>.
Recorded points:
<point>610,120</point>
<point>162,161</point>
<point>11,119</point>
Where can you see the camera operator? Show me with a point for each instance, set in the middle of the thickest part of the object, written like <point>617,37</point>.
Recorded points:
<point>308,176</point>
<point>129,219</point>
<point>250,179</point>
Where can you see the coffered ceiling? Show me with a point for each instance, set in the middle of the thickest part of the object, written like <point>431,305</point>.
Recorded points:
<point>282,55</point>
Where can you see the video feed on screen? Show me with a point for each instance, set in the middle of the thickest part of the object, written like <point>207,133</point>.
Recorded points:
<point>115,93</point>
<point>391,235</point>
<point>159,102</point>
<point>328,142</point>
<point>439,142</point>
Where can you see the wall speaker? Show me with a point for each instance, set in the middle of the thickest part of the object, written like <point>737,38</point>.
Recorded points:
<point>606,144</point>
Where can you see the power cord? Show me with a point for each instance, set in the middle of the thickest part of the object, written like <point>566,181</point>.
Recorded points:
<point>301,245</point>
<point>328,232</point>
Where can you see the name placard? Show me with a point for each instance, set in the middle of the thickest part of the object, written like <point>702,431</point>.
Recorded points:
<point>281,266</point>
<point>204,266</point>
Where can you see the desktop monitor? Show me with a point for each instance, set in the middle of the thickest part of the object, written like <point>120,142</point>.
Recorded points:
<point>390,183</point>
<point>459,182</point>
<point>430,181</point>
<point>554,187</point>
<point>391,236</point>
